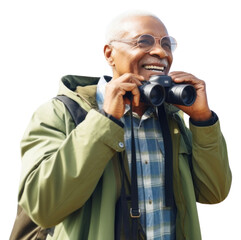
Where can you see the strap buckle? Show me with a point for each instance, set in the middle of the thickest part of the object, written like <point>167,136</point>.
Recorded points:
<point>136,213</point>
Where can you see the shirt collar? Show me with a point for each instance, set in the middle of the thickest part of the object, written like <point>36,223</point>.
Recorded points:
<point>100,92</point>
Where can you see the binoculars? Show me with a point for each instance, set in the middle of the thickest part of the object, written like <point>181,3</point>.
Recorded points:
<point>161,88</point>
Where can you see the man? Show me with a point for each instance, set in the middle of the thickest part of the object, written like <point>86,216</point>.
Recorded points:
<point>71,177</point>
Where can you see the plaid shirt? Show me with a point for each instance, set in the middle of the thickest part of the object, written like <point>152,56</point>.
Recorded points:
<point>157,220</point>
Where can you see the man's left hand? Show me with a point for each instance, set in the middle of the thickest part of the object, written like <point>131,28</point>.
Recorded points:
<point>199,111</point>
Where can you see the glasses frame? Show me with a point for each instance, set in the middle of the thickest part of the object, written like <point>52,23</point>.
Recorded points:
<point>134,42</point>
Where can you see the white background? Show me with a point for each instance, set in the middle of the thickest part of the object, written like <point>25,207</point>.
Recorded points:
<point>43,40</point>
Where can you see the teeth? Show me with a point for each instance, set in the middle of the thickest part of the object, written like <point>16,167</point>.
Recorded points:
<point>155,68</point>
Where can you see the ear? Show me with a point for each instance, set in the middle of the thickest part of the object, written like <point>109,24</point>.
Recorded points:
<point>108,52</point>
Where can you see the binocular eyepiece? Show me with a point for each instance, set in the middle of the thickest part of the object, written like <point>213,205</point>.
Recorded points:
<point>161,88</point>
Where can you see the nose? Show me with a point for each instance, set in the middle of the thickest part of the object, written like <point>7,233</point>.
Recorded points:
<point>158,50</point>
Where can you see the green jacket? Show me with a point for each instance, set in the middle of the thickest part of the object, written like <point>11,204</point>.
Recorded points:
<point>71,176</point>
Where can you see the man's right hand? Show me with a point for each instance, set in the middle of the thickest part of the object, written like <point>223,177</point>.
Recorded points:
<point>114,100</point>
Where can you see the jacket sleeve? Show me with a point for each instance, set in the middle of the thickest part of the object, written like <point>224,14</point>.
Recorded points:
<point>210,167</point>
<point>60,166</point>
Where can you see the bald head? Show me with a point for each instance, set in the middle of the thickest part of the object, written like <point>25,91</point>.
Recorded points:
<point>120,26</point>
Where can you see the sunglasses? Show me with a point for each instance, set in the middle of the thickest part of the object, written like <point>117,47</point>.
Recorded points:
<point>147,42</point>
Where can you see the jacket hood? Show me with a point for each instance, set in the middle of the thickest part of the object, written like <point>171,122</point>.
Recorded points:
<point>81,89</point>
<point>73,81</point>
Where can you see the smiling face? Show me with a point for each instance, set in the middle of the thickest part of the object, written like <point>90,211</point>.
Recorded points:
<point>129,58</point>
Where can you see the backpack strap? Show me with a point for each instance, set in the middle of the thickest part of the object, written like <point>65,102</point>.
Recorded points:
<point>77,113</point>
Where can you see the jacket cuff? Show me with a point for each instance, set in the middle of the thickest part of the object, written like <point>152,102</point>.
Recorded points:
<point>115,120</point>
<point>205,135</point>
<point>209,122</point>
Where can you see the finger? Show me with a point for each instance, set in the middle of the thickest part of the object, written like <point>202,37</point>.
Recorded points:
<point>128,87</point>
<point>131,78</point>
<point>178,73</point>
<point>131,87</point>
<point>136,96</point>
<point>179,77</point>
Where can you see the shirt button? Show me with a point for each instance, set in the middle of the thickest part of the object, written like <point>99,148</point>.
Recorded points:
<point>150,201</point>
<point>176,131</point>
<point>146,162</point>
<point>121,144</point>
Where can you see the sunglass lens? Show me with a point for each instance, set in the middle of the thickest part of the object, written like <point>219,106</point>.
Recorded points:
<point>146,42</point>
<point>169,43</point>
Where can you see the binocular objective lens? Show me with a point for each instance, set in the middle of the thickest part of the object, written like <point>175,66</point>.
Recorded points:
<point>188,95</point>
<point>157,95</point>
